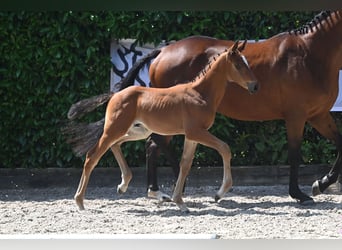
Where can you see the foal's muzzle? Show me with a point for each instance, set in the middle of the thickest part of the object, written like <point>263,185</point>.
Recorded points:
<point>253,87</point>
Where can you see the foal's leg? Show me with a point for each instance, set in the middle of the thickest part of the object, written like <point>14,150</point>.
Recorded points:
<point>92,158</point>
<point>326,126</point>
<point>126,173</point>
<point>209,140</point>
<point>205,138</point>
<point>185,165</point>
<point>136,132</point>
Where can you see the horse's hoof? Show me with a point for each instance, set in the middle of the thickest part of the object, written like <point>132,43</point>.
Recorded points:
<point>308,202</point>
<point>158,195</point>
<point>315,188</point>
<point>217,198</point>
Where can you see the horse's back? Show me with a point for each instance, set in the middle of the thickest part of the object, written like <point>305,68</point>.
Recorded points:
<point>181,61</point>
<point>286,80</point>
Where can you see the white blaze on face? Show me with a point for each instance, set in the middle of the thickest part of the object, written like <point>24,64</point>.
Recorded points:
<point>245,60</point>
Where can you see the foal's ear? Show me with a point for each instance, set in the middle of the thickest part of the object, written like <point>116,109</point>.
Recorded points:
<point>242,45</point>
<point>234,47</point>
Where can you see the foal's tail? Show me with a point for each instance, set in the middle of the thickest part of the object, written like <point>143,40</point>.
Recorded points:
<point>84,106</point>
<point>82,136</point>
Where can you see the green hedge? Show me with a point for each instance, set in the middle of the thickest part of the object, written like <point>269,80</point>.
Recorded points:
<point>50,60</point>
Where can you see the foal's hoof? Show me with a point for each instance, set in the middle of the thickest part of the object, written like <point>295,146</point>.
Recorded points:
<point>315,188</point>
<point>183,208</point>
<point>119,191</point>
<point>79,203</point>
<point>217,198</point>
<point>158,195</point>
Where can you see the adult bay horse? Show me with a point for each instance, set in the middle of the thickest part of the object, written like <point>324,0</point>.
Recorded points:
<point>187,109</point>
<point>298,76</point>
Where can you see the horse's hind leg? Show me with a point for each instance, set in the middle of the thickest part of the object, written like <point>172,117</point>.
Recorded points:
<point>170,155</point>
<point>326,126</point>
<point>152,154</point>
<point>153,145</point>
<point>91,161</point>
<point>185,166</point>
<point>126,173</point>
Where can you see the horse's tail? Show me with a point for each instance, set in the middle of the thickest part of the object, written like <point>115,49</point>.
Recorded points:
<point>84,106</point>
<point>82,136</point>
<point>133,72</point>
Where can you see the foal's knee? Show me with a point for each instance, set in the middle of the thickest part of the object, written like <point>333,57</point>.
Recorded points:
<point>225,151</point>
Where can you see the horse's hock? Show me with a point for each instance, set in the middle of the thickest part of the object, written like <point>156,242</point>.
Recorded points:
<point>199,176</point>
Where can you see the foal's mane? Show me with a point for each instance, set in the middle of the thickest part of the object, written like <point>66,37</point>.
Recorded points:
<point>208,66</point>
<point>315,22</point>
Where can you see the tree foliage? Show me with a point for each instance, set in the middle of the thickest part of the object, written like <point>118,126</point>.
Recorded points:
<point>50,60</point>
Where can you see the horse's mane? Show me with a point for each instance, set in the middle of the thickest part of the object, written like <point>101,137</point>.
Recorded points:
<point>208,66</point>
<point>315,22</point>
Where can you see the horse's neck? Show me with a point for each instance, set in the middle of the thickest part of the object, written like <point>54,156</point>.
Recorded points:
<point>337,37</point>
<point>326,41</point>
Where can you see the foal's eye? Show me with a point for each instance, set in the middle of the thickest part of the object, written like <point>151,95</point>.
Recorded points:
<point>237,66</point>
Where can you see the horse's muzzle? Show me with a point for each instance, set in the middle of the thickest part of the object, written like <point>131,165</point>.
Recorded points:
<point>253,87</point>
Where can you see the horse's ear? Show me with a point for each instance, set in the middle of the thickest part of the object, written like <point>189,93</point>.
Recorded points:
<point>242,46</point>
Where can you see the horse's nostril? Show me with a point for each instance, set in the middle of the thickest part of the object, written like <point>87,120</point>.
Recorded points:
<point>253,87</point>
<point>256,87</point>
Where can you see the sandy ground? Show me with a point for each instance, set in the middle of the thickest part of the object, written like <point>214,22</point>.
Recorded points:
<point>247,212</point>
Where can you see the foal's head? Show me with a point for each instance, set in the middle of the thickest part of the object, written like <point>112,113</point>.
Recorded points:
<point>239,70</point>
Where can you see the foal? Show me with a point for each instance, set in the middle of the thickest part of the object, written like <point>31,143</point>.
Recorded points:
<point>187,109</point>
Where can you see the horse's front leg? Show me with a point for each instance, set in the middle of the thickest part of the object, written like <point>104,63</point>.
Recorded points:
<point>185,166</point>
<point>295,129</point>
<point>326,126</point>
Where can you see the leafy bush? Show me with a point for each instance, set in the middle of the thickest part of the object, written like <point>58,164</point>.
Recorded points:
<point>50,60</point>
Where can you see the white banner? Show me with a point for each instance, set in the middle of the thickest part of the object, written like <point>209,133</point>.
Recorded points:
<point>124,54</point>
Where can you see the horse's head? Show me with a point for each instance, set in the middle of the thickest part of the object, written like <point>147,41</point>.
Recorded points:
<point>239,70</point>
